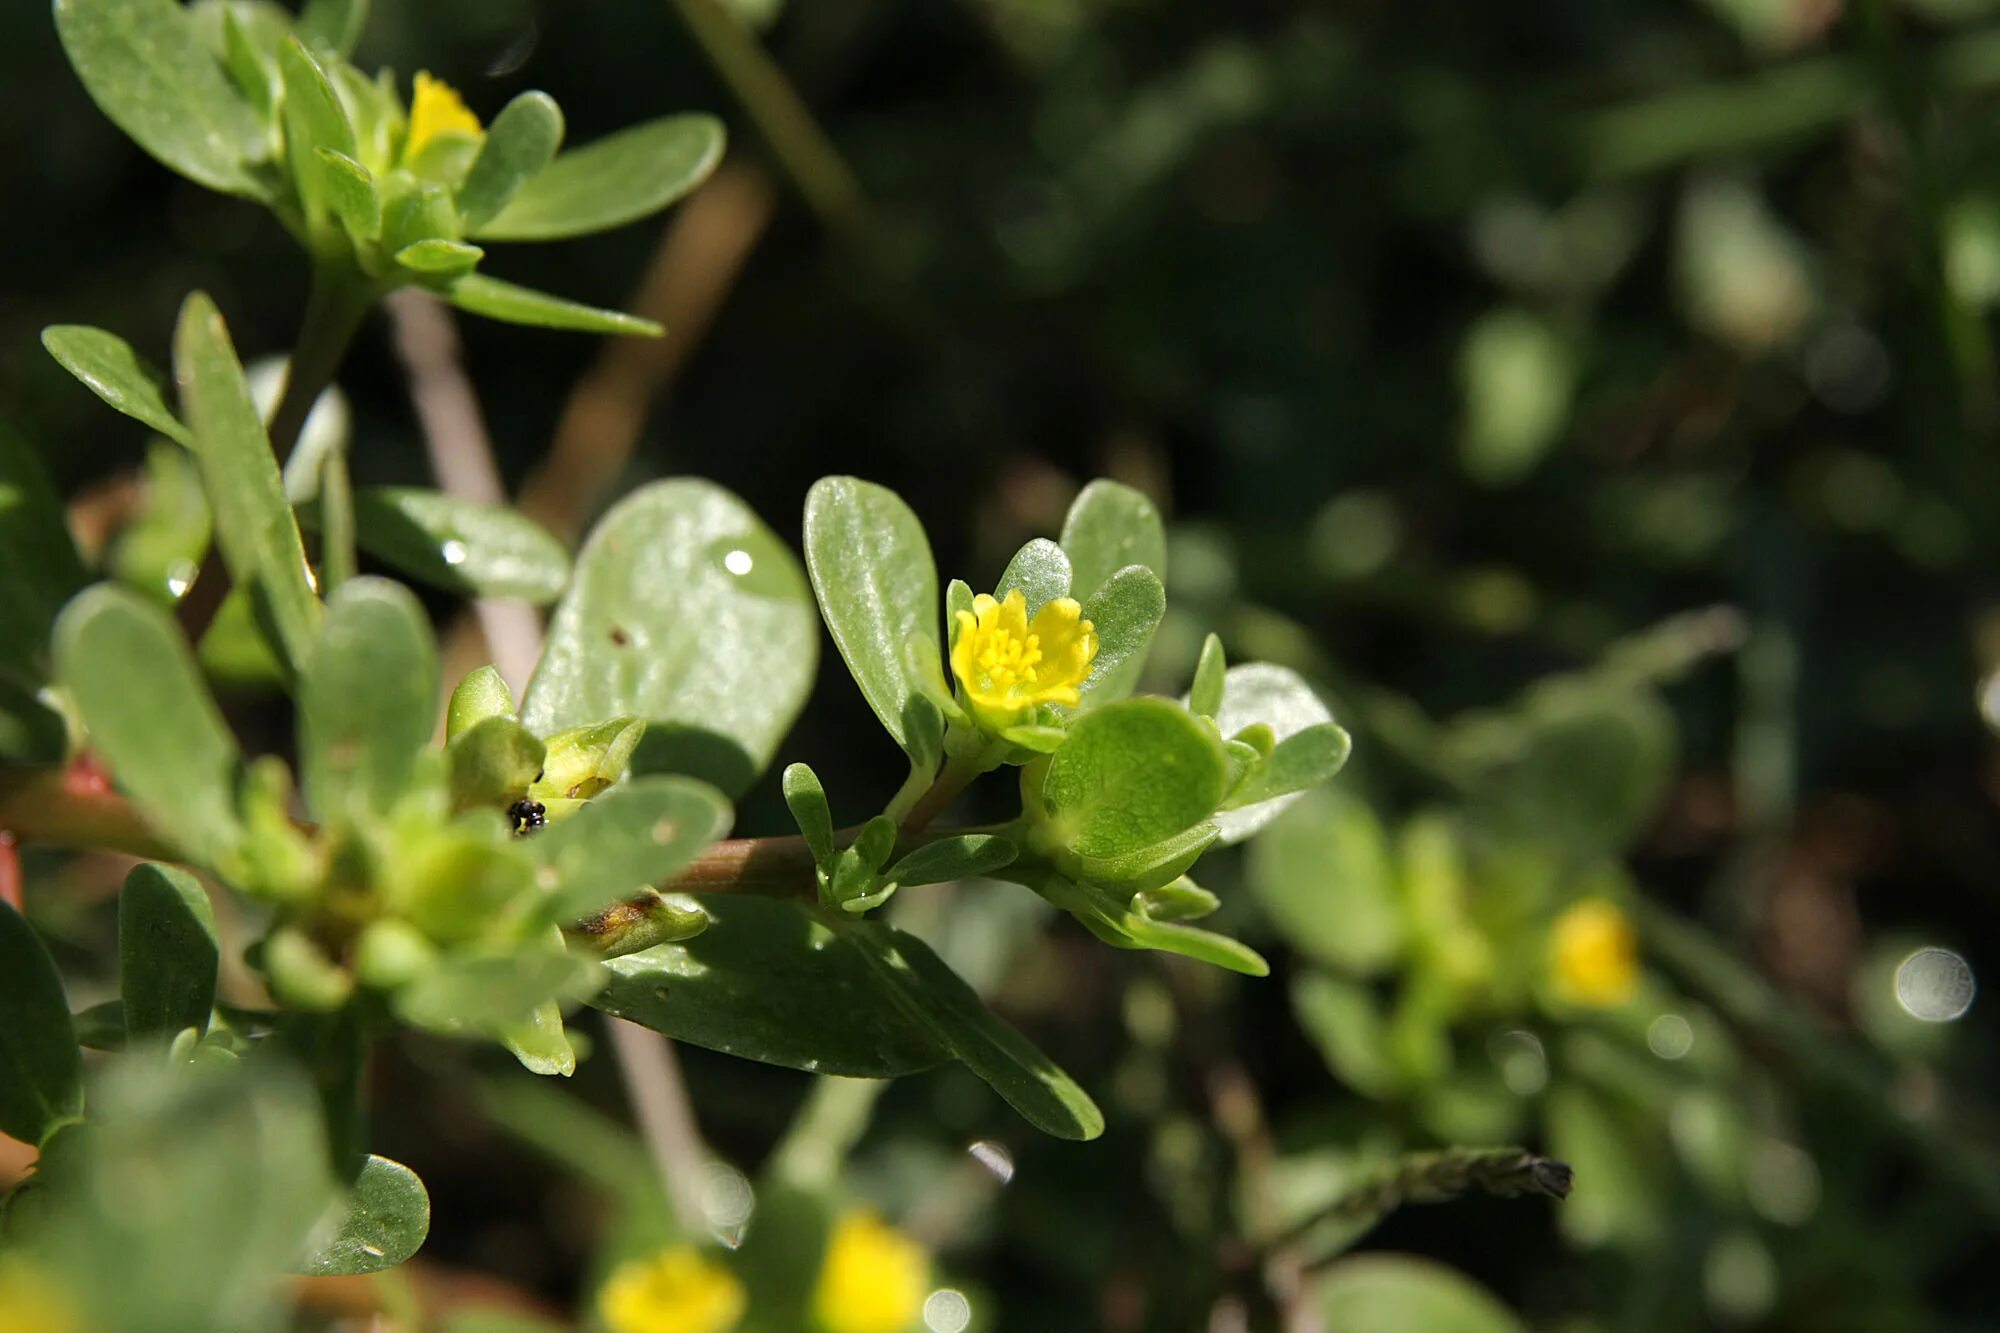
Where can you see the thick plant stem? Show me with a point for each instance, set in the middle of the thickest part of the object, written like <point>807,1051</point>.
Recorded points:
<point>334,306</point>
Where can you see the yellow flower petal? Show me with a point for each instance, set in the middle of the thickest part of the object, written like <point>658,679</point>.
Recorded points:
<point>873,1279</point>
<point>678,1290</point>
<point>1007,665</point>
<point>1594,955</point>
<point>436,109</point>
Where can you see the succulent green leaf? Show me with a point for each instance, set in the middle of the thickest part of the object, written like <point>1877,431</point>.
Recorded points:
<point>481,695</point>
<point>414,211</point>
<point>1040,570</point>
<point>1132,774</point>
<point>314,120</point>
<point>1403,1291</point>
<point>806,799</point>
<point>583,761</point>
<point>253,520</point>
<point>150,717</point>
<point>167,952</point>
<point>1109,527</point>
<point>613,181</point>
<point>145,65</point>
<point>1275,697</point>
<point>963,857</point>
<point>493,762</point>
<point>542,1043</point>
<point>491,993</point>
<point>767,982</point>
<point>368,700</point>
<point>1150,866</point>
<point>1182,900</point>
<point>1124,611</point>
<point>41,1069</point>
<point>918,982</point>
<point>438,257</point>
<point>1117,923</point>
<point>462,546</point>
<point>351,194</point>
<point>1301,761</point>
<point>1342,1019</point>
<point>381,1222</point>
<point>519,144</point>
<point>108,366</point>
<point>511,304</point>
<point>872,571</point>
<point>1205,695</point>
<point>685,610</point>
<point>640,833</point>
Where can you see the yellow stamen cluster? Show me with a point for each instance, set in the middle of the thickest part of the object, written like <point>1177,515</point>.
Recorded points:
<point>678,1290</point>
<point>873,1279</point>
<point>1008,664</point>
<point>1594,955</point>
<point>436,109</point>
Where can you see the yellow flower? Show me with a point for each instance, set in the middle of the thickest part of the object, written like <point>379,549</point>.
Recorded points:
<point>676,1291</point>
<point>874,1276</point>
<point>30,1303</point>
<point>1594,954</point>
<point>1008,664</point>
<point>436,109</point>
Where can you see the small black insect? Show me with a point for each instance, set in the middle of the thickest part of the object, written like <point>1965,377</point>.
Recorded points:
<point>527,815</point>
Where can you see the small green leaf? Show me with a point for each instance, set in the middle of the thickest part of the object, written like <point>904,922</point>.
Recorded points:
<point>933,995</point>
<point>872,571</point>
<point>481,695</point>
<point>108,366</point>
<point>314,119</point>
<point>1112,919</point>
<point>519,143</point>
<point>1274,697</point>
<point>1301,761</point>
<point>382,1221</point>
<point>334,25</point>
<point>1205,695</point>
<point>1150,866</point>
<point>504,301</point>
<point>1396,1291</point>
<point>253,520</point>
<point>542,1044</point>
<point>437,256</point>
<point>768,983</point>
<point>351,193</point>
<point>806,799</point>
<point>1132,775</point>
<point>958,597</point>
<point>150,717</point>
<point>414,211</point>
<point>640,833</point>
<point>41,1069</point>
<point>963,857</point>
<point>491,993</point>
<point>493,762</point>
<point>147,68</point>
<point>1182,900</point>
<point>1040,570</point>
<point>1109,527</point>
<point>686,611</point>
<point>167,952</point>
<point>368,701</point>
<point>462,546</point>
<point>583,761</point>
<point>1342,1020</point>
<point>616,180</point>
<point>1125,610</point>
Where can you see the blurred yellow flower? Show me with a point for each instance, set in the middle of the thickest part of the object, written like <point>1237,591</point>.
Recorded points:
<point>1007,663</point>
<point>1594,954</point>
<point>30,1303</point>
<point>874,1276</point>
<point>676,1291</point>
<point>436,109</point>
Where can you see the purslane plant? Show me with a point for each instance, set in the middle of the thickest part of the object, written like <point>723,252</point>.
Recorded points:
<point>570,849</point>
